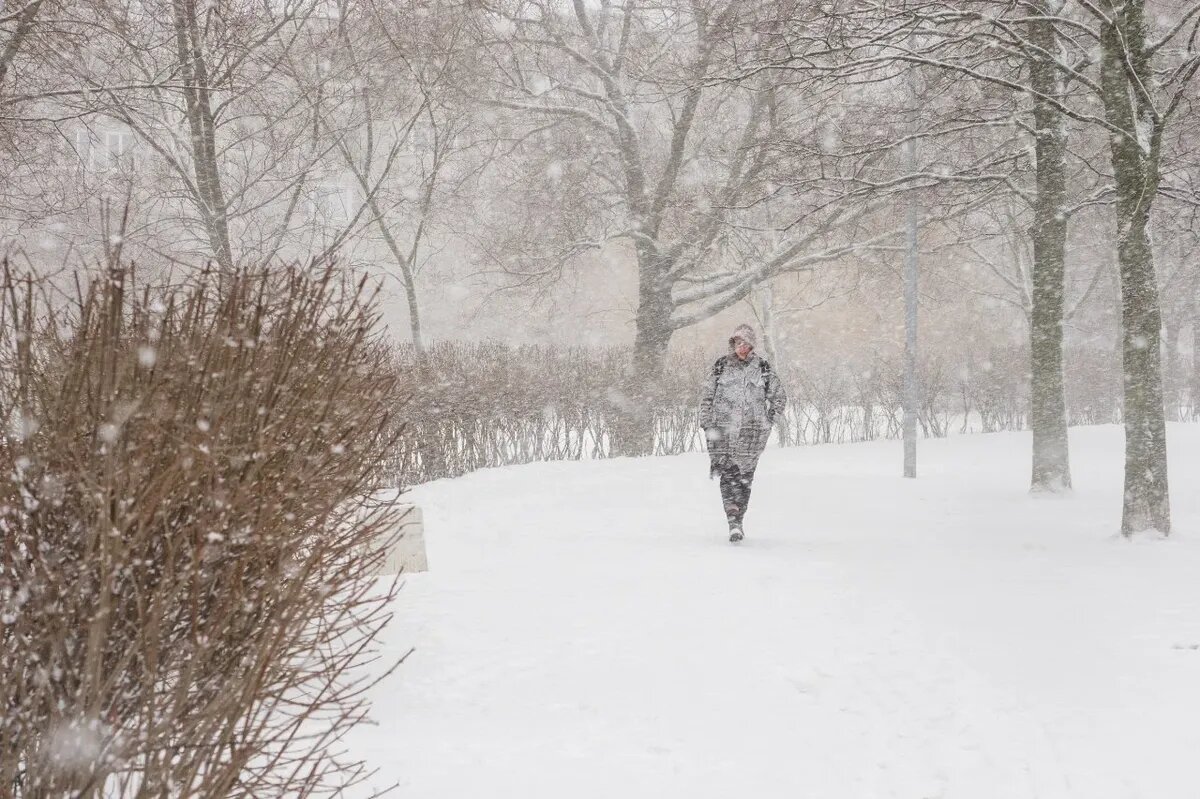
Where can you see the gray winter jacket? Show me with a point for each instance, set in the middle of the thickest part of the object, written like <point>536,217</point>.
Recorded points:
<point>740,402</point>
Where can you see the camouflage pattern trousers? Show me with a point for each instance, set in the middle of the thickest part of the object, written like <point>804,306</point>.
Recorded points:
<point>735,486</point>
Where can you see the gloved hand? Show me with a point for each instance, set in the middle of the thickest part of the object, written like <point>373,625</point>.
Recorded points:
<point>712,434</point>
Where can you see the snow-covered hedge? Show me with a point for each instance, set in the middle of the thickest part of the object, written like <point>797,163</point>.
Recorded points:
<point>478,405</point>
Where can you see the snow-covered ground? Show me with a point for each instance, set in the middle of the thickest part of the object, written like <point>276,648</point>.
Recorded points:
<point>587,631</point>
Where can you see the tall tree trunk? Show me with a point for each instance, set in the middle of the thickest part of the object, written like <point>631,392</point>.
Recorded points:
<point>773,349</point>
<point>911,399</point>
<point>1175,376</point>
<point>414,312</point>
<point>1136,168</point>
<point>210,199</point>
<point>405,264</point>
<point>912,382</point>
<point>1048,412</point>
<point>25,21</point>
<point>633,423</point>
<point>1195,381</point>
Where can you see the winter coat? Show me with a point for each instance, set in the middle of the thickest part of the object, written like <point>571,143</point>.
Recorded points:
<point>738,407</point>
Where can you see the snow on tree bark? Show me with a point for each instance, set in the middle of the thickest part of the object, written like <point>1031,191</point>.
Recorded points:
<point>196,90</point>
<point>1135,160</point>
<point>1051,469</point>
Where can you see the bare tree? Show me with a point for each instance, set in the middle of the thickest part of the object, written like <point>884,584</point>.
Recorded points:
<point>1140,97</point>
<point>224,158</point>
<point>668,141</point>
<point>1048,412</point>
<point>17,26</point>
<point>1019,48</point>
<point>197,90</point>
<point>1139,100</point>
<point>408,150</point>
<point>33,185</point>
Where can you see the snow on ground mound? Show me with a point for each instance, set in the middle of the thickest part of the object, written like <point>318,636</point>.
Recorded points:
<point>587,631</point>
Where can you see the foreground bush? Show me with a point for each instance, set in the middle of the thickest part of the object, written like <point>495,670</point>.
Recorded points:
<point>186,600</point>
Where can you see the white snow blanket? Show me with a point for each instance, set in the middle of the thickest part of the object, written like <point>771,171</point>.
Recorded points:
<point>589,632</point>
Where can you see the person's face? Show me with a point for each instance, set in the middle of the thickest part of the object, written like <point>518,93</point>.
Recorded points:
<point>742,348</point>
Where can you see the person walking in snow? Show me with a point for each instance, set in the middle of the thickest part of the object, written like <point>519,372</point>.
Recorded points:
<point>741,399</point>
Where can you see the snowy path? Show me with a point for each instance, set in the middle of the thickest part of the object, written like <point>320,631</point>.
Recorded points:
<point>586,631</point>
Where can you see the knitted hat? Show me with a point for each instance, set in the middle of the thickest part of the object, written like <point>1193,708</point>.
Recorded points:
<point>746,334</point>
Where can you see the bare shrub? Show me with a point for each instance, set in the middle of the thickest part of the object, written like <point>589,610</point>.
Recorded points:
<point>491,404</point>
<point>480,405</point>
<point>186,591</point>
